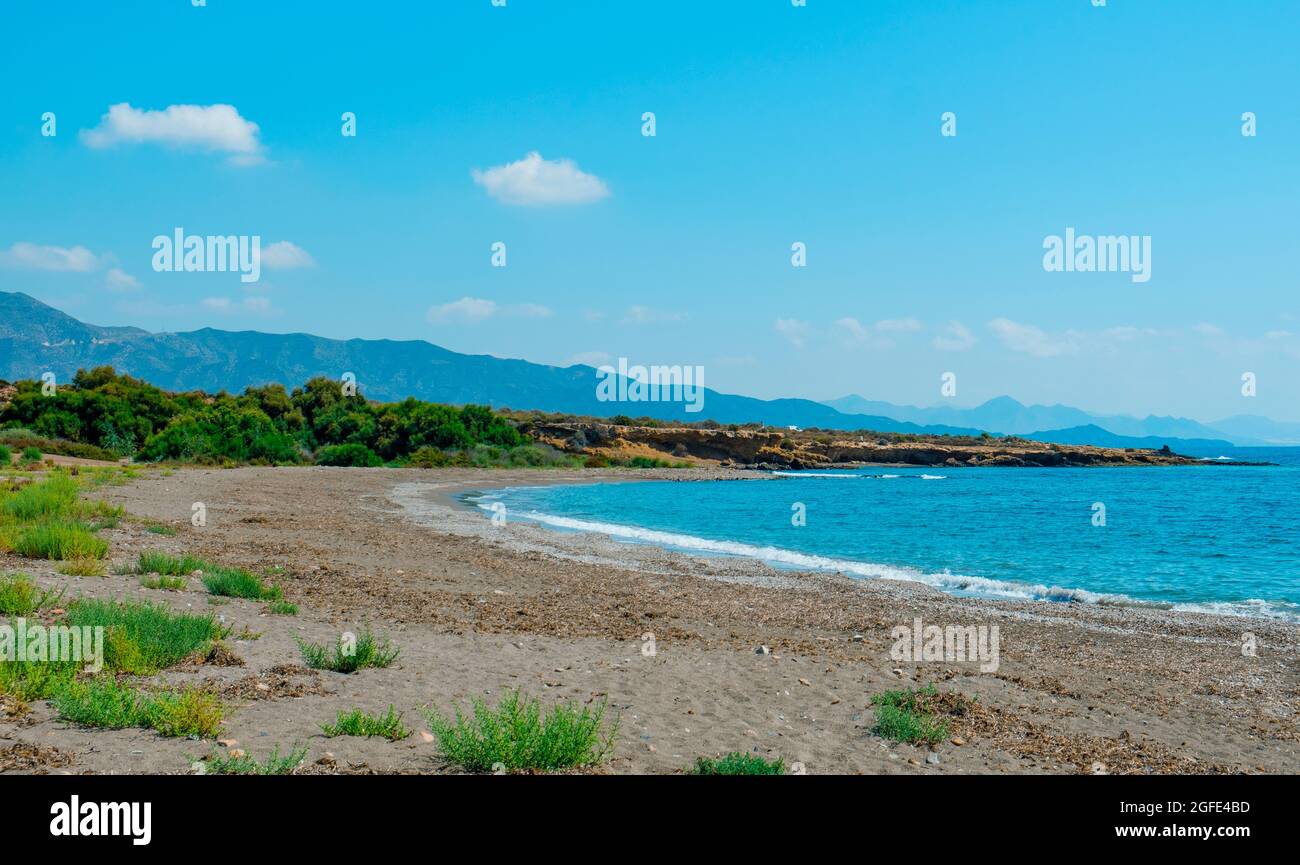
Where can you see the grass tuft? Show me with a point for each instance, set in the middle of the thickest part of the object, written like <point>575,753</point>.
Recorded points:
<point>245,765</point>
<point>105,702</point>
<point>358,723</point>
<point>518,736</point>
<point>143,638</point>
<point>282,608</point>
<point>238,583</point>
<point>157,562</point>
<point>170,584</point>
<point>737,763</point>
<point>345,656</point>
<point>19,596</point>
<point>82,568</point>
<point>902,716</point>
<point>59,540</point>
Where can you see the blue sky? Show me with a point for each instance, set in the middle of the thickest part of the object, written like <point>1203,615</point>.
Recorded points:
<point>775,124</point>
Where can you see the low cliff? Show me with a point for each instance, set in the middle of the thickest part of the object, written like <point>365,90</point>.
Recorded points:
<point>776,449</point>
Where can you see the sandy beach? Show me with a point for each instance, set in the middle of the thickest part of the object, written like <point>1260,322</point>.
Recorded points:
<point>477,609</point>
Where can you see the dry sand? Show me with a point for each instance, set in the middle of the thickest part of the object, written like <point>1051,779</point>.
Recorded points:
<point>478,609</point>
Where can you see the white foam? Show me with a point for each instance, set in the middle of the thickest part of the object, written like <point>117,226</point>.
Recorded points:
<point>813,475</point>
<point>807,561</point>
<point>942,580</point>
<point>934,477</point>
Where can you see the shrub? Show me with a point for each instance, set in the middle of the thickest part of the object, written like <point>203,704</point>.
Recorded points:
<point>82,568</point>
<point>347,657</point>
<point>155,562</point>
<point>902,716</point>
<point>358,723</point>
<point>105,702</point>
<point>6,455</point>
<point>517,736</point>
<point>245,765</point>
<point>19,596</point>
<point>355,455</point>
<point>143,638</point>
<point>59,541</point>
<point>238,583</point>
<point>35,680</point>
<point>170,584</point>
<point>737,763</point>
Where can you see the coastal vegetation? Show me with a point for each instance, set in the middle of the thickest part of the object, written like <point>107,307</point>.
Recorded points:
<point>242,764</point>
<point>47,520</point>
<point>905,716</point>
<point>358,723</point>
<point>518,736</point>
<point>349,654</point>
<point>104,415</point>
<point>737,763</point>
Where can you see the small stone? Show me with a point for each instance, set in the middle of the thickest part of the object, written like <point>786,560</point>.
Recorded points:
<point>805,682</point>
<point>932,758</point>
<point>196,573</point>
<point>958,741</point>
<point>896,671</point>
<point>763,650</point>
<point>229,743</point>
<point>426,735</point>
<point>857,638</point>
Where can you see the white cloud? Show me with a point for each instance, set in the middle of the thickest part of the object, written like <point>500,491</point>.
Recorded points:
<point>247,306</point>
<point>876,335</point>
<point>587,358</point>
<point>898,325</point>
<point>793,329</point>
<point>205,127</point>
<point>1033,340</point>
<point>954,337</point>
<point>465,309</point>
<point>284,255</point>
<point>29,256</point>
<point>528,310</point>
<point>121,281</point>
<point>534,181</point>
<point>646,315</point>
<point>1208,329</point>
<point>476,309</point>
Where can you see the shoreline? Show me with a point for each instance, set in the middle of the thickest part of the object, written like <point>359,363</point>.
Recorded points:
<point>695,657</point>
<point>571,542</point>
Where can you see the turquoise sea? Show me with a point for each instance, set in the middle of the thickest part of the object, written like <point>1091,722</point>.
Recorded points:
<point>1212,538</point>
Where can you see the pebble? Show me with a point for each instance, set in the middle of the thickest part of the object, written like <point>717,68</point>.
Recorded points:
<point>932,758</point>
<point>857,638</point>
<point>958,741</point>
<point>763,650</point>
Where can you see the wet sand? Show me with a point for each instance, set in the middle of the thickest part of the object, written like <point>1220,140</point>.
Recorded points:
<point>478,609</point>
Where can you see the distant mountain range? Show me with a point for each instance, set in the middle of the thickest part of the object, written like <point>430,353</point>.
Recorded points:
<point>35,337</point>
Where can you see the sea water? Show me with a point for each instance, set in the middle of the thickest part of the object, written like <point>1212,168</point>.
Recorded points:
<point>1209,538</point>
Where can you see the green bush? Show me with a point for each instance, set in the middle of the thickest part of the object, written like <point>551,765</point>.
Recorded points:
<point>737,763</point>
<point>904,716</point>
<point>358,723</point>
<point>143,638</point>
<point>516,735</point>
<point>356,455</point>
<point>246,765</point>
<point>346,657</point>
